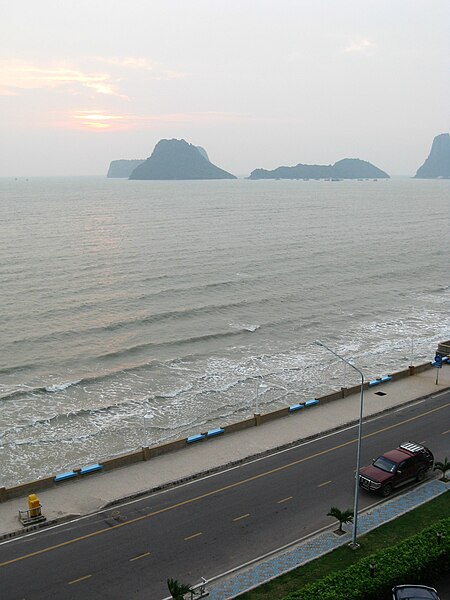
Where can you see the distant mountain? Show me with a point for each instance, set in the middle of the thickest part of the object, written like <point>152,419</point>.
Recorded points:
<point>437,165</point>
<point>347,168</point>
<point>123,168</point>
<point>176,159</point>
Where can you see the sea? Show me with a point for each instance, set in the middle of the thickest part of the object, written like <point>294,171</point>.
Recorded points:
<point>138,312</point>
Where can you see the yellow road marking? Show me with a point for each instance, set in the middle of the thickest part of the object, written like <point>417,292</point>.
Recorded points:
<point>444,432</point>
<point>193,536</point>
<point>79,579</point>
<point>284,500</point>
<point>218,490</point>
<point>324,483</point>
<point>140,556</point>
<point>242,517</point>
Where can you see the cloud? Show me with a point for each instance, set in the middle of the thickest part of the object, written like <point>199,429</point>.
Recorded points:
<point>360,46</point>
<point>20,75</point>
<point>101,121</point>
<point>17,75</point>
<point>131,62</point>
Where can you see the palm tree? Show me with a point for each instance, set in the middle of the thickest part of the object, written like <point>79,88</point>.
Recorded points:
<point>177,590</point>
<point>345,516</point>
<point>442,466</point>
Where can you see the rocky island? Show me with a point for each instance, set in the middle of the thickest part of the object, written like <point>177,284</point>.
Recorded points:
<point>177,159</point>
<point>123,168</point>
<point>347,168</point>
<point>437,165</point>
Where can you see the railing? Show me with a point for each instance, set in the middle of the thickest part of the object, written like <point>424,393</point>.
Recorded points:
<point>31,516</point>
<point>199,590</point>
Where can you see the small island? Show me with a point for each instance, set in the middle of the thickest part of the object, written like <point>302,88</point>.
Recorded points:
<point>437,165</point>
<point>123,168</point>
<point>178,160</point>
<point>347,168</point>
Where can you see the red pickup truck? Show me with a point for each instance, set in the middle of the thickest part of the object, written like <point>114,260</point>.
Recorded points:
<point>408,462</point>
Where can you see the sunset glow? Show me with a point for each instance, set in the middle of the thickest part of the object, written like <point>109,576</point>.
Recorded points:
<point>98,120</point>
<point>20,75</point>
<point>286,83</point>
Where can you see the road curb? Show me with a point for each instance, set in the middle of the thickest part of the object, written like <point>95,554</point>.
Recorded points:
<point>31,528</point>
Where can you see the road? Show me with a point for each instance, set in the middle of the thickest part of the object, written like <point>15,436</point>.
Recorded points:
<point>210,525</point>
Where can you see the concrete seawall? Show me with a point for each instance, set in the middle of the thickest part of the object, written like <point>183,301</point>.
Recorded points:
<point>149,453</point>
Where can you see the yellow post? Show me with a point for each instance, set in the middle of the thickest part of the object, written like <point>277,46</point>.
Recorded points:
<point>34,506</point>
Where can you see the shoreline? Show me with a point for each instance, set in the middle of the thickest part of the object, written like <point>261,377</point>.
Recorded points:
<point>108,487</point>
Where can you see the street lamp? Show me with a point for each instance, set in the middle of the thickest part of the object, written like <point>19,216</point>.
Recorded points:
<point>263,387</point>
<point>260,385</point>
<point>145,430</point>
<point>354,543</point>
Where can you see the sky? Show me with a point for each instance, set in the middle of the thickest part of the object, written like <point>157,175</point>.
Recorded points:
<point>257,83</point>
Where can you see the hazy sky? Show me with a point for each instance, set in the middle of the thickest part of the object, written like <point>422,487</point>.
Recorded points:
<point>257,83</point>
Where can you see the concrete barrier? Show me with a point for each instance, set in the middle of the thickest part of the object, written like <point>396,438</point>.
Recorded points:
<point>276,414</point>
<point>239,425</point>
<point>25,489</point>
<point>123,460</point>
<point>154,451</point>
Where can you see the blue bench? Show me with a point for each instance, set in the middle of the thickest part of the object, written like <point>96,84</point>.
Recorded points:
<point>64,476</point>
<point>311,402</point>
<point>90,469</point>
<point>195,438</point>
<point>384,379</point>
<point>295,407</point>
<point>216,431</point>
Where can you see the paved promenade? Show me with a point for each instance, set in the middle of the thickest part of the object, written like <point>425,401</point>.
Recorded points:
<point>81,497</point>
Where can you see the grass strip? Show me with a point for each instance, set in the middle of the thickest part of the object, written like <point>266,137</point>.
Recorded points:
<point>384,536</point>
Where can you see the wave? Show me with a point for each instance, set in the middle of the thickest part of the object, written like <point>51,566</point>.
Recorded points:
<point>210,309</point>
<point>180,342</point>
<point>245,327</point>
<point>60,419</point>
<point>62,386</point>
<point>440,289</point>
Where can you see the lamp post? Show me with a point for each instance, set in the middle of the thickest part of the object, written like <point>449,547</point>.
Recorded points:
<point>260,385</point>
<point>145,445</point>
<point>354,543</point>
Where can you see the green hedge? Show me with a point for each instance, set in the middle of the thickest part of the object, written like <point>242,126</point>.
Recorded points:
<point>414,560</point>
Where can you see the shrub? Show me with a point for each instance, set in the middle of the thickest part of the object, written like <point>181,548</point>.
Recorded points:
<point>411,560</point>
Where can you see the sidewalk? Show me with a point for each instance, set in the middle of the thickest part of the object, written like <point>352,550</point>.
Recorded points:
<point>98,490</point>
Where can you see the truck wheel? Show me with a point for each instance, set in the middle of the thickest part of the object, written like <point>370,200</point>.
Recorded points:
<point>386,490</point>
<point>420,475</point>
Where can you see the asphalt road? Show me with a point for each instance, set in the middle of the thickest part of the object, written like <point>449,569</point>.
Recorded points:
<point>211,525</point>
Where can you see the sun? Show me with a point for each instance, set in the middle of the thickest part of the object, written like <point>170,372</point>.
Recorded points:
<point>98,120</point>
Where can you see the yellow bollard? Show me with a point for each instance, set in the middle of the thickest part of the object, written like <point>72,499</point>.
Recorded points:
<point>34,506</point>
